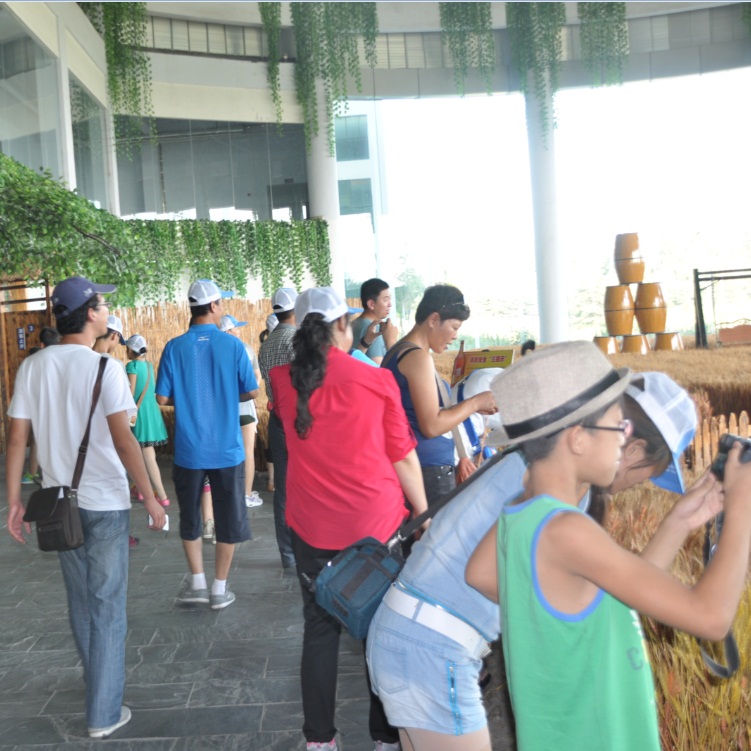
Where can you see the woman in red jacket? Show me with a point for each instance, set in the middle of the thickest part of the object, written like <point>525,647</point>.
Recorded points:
<point>352,461</point>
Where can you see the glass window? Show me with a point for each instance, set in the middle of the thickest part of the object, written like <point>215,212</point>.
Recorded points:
<point>180,39</point>
<point>197,37</point>
<point>29,99</point>
<point>209,169</point>
<point>235,45</point>
<point>217,40</point>
<point>351,135</point>
<point>162,33</point>
<point>88,144</point>
<point>355,197</point>
<point>253,42</point>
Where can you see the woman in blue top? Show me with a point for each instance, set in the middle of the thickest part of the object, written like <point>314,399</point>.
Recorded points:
<point>438,319</point>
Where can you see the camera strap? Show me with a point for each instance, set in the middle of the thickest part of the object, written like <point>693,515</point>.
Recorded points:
<point>732,657</point>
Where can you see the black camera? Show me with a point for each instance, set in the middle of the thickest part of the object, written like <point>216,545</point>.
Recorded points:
<point>726,443</point>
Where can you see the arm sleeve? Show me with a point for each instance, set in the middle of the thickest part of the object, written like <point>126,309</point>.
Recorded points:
<point>164,381</point>
<point>115,395</point>
<point>19,404</point>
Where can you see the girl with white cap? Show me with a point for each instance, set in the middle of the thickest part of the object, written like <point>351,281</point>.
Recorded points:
<point>149,428</point>
<point>432,619</point>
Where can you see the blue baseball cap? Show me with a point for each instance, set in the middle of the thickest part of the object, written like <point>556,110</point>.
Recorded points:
<point>74,292</point>
<point>230,322</point>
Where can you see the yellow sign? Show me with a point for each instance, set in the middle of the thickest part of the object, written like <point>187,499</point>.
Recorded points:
<point>474,359</point>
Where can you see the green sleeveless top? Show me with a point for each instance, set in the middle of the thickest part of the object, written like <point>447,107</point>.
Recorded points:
<point>581,682</point>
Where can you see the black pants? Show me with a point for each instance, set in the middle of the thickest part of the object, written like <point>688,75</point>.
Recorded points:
<point>320,653</point>
<point>278,446</point>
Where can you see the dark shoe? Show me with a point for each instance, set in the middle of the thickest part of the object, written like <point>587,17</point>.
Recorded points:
<point>189,595</point>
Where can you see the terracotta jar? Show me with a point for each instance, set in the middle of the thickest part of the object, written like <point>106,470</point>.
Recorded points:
<point>651,310</point>
<point>619,310</point>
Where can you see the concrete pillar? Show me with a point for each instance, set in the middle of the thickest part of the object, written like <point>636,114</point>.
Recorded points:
<point>67,154</point>
<point>551,271</point>
<point>323,192</point>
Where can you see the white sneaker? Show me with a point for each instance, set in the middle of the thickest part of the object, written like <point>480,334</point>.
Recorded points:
<point>253,499</point>
<point>330,746</point>
<point>104,732</point>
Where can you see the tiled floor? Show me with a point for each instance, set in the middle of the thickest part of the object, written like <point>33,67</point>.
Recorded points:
<point>197,678</point>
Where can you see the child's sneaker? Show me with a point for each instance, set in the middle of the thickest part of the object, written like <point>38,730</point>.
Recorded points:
<point>135,494</point>
<point>163,502</point>
<point>253,499</point>
<point>383,746</point>
<point>330,746</point>
<point>28,479</point>
<point>132,541</point>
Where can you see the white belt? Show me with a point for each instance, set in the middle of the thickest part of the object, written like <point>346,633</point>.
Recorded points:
<point>437,619</point>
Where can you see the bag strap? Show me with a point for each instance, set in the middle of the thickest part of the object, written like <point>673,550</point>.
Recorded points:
<point>84,447</point>
<point>731,647</point>
<point>148,381</point>
<point>401,349</point>
<point>445,399</point>
<point>409,529</point>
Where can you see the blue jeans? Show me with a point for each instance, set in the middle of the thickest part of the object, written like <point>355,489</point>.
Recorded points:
<point>278,446</point>
<point>96,580</point>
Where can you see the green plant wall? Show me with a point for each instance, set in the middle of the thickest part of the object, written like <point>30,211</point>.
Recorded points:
<point>49,233</point>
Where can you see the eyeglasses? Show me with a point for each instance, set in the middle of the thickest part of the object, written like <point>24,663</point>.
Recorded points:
<point>624,426</point>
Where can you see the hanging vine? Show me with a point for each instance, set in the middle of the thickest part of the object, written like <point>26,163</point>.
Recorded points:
<point>123,29</point>
<point>468,32</point>
<point>271,16</point>
<point>537,50</point>
<point>326,41</point>
<point>604,41</point>
<point>49,233</point>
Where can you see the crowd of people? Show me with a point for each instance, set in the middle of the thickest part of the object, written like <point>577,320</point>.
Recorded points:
<point>364,434</point>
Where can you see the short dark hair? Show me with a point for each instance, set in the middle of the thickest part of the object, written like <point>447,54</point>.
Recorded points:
<point>528,346</point>
<point>198,311</point>
<point>284,315</point>
<point>370,290</point>
<point>49,336</point>
<point>74,322</point>
<point>444,299</point>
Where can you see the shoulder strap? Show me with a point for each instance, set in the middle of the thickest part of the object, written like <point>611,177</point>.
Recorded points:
<point>148,381</point>
<point>409,529</point>
<point>399,350</point>
<point>84,447</point>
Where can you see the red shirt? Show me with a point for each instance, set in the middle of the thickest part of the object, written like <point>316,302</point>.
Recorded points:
<point>341,483</point>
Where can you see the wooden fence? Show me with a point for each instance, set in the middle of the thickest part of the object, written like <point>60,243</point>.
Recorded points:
<point>700,453</point>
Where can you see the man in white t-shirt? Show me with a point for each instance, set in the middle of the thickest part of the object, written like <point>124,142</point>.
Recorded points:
<point>53,393</point>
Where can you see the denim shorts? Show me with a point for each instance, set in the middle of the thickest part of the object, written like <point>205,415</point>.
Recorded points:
<point>424,679</point>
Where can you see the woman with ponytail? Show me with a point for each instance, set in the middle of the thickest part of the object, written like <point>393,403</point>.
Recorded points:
<point>352,461</point>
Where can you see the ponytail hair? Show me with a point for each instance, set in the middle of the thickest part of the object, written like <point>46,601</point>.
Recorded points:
<point>310,346</point>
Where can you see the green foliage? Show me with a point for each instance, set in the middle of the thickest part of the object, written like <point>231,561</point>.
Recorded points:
<point>326,40</point>
<point>271,15</point>
<point>746,15</point>
<point>537,49</point>
<point>49,233</point>
<point>604,41</point>
<point>468,32</point>
<point>123,29</point>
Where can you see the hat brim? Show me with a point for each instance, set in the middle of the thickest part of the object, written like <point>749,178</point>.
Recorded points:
<point>672,478</point>
<point>500,437</point>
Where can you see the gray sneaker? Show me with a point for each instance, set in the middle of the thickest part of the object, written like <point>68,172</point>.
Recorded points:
<point>188,594</point>
<point>221,601</point>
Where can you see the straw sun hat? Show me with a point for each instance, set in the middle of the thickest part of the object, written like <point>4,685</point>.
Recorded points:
<point>554,388</point>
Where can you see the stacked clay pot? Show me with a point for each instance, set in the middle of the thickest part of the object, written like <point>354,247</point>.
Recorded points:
<point>647,306</point>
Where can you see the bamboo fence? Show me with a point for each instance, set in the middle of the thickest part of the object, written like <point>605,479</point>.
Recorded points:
<point>704,446</point>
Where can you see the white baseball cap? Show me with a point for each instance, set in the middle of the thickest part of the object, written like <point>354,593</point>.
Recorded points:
<point>115,324</point>
<point>137,344</point>
<point>230,322</point>
<point>205,291</point>
<point>283,300</point>
<point>673,413</point>
<point>324,300</point>
<point>271,322</point>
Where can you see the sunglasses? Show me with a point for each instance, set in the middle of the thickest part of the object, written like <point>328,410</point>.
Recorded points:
<point>455,307</point>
